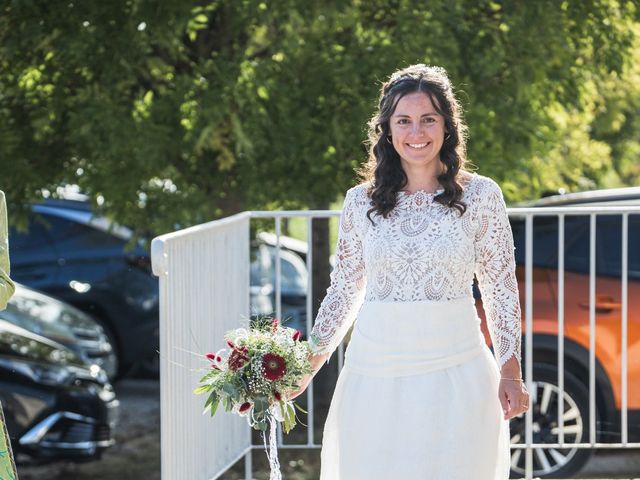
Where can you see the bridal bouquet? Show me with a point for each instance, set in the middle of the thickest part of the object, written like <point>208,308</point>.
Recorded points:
<point>252,377</point>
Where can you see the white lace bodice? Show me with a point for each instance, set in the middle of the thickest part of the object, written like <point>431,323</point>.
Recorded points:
<point>424,251</point>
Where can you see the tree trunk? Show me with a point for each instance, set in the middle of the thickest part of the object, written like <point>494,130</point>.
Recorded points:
<point>233,203</point>
<point>326,378</point>
<point>320,265</point>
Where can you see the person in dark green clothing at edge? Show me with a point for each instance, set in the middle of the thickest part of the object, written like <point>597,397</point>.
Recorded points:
<point>7,465</point>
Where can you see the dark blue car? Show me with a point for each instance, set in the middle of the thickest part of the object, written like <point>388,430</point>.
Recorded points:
<point>85,260</point>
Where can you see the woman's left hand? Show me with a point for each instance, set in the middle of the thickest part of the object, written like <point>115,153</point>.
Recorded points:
<point>514,398</point>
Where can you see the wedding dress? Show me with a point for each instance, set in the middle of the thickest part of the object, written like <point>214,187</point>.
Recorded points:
<point>417,397</point>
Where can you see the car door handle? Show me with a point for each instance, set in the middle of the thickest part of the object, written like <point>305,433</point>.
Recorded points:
<point>604,304</point>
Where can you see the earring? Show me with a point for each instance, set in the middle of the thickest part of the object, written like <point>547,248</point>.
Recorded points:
<point>389,139</point>
<point>448,136</point>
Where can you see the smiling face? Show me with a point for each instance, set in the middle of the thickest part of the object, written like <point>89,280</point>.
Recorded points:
<point>417,131</point>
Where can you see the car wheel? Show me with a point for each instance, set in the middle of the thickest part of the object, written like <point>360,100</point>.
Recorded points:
<point>544,400</point>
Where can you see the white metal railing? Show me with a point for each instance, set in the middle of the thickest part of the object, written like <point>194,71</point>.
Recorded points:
<point>528,214</point>
<point>561,213</point>
<point>204,291</point>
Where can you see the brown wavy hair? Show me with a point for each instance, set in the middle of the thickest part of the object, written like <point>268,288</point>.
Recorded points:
<point>383,169</point>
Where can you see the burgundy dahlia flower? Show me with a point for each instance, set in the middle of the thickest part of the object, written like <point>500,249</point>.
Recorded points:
<point>274,366</point>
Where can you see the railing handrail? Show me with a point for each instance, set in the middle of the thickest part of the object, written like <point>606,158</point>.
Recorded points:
<point>571,210</point>
<point>159,264</point>
<point>564,210</point>
<point>202,227</point>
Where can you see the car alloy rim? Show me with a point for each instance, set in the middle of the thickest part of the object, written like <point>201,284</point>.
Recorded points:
<point>545,398</point>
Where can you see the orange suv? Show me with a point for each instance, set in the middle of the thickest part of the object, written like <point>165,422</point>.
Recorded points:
<point>556,462</point>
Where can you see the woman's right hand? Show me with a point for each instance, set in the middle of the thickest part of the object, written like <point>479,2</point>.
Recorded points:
<point>316,364</point>
<point>304,383</point>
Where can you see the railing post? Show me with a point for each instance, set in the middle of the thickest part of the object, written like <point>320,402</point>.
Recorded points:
<point>248,465</point>
<point>561,328</point>
<point>624,319</point>
<point>592,329</point>
<point>529,342</point>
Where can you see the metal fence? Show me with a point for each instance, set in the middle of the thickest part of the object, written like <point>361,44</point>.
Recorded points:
<point>204,291</point>
<point>561,214</point>
<point>203,258</point>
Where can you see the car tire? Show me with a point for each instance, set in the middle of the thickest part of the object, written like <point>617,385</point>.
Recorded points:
<point>553,462</point>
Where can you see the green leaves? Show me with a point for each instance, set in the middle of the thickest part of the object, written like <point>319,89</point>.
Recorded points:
<point>212,403</point>
<point>210,376</point>
<point>203,389</point>
<point>299,408</point>
<point>261,405</point>
<point>289,414</point>
<point>230,390</point>
<point>195,112</point>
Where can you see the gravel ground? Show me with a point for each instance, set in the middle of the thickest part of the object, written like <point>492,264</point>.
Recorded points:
<point>136,455</point>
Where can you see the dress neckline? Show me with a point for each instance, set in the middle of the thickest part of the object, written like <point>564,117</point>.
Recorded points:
<point>424,192</point>
<point>421,191</point>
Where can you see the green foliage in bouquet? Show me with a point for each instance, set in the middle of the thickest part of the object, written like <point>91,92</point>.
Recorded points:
<point>252,379</point>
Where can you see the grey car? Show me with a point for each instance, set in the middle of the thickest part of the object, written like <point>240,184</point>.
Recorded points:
<point>62,323</point>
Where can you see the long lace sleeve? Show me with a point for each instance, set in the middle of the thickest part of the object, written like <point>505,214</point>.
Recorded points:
<point>6,285</point>
<point>346,290</point>
<point>495,270</point>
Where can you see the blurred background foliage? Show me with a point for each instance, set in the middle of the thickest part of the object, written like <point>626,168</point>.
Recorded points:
<point>173,113</point>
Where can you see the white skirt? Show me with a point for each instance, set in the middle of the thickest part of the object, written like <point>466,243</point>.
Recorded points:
<point>417,398</point>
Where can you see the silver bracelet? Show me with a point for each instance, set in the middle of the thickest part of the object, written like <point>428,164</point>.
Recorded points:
<point>514,379</point>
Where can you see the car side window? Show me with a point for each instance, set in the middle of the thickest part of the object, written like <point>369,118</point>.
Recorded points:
<point>32,244</point>
<point>293,272</point>
<point>292,280</point>
<point>576,246</point>
<point>34,238</point>
<point>634,251</point>
<point>609,245</point>
<point>70,236</point>
<point>545,241</point>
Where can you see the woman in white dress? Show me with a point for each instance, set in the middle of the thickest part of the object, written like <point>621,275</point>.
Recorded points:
<point>420,395</point>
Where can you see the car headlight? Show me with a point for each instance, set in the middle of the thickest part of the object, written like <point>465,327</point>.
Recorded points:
<point>51,374</point>
<point>39,372</point>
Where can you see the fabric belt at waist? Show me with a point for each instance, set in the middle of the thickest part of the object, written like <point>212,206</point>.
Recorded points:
<point>408,338</point>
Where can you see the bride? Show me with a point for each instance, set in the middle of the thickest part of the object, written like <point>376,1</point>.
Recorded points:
<point>420,395</point>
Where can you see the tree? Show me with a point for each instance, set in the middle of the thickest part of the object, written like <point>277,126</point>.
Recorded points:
<point>175,113</point>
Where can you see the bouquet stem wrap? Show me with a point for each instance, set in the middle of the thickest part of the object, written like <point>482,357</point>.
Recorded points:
<point>272,452</point>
